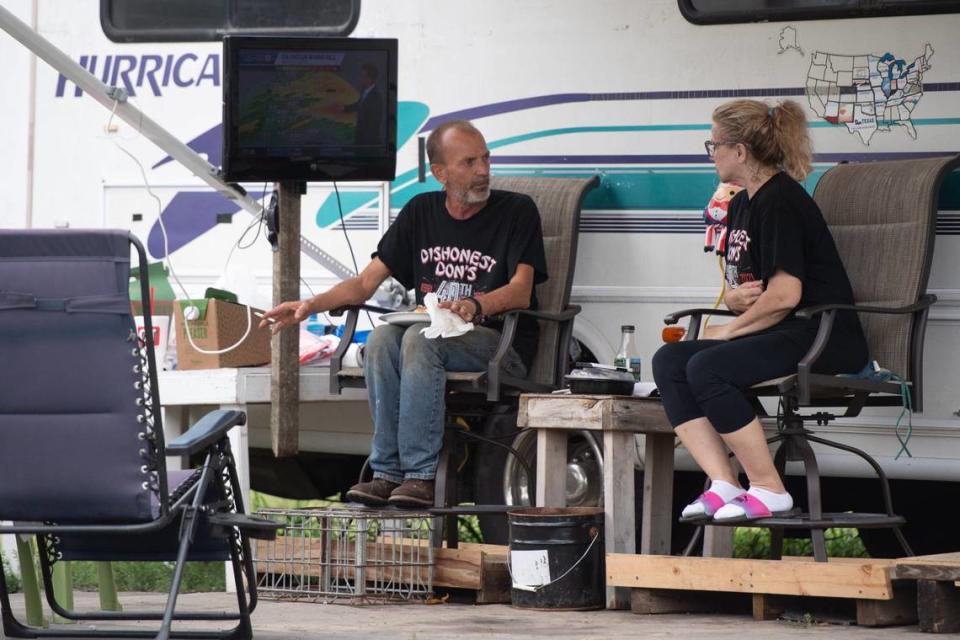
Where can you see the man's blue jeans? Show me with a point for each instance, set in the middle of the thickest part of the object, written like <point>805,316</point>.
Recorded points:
<point>406,383</point>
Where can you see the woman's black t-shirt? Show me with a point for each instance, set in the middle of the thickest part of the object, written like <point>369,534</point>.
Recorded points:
<point>781,228</point>
<point>428,250</point>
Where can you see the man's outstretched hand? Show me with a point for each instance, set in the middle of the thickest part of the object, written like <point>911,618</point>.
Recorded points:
<point>284,315</point>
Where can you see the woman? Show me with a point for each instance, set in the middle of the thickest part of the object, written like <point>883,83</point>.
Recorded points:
<point>780,256</point>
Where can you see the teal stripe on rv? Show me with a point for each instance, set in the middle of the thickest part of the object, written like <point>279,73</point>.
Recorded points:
<point>546,133</point>
<point>644,188</point>
<point>647,188</point>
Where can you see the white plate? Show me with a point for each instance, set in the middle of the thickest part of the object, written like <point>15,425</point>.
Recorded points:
<point>405,318</point>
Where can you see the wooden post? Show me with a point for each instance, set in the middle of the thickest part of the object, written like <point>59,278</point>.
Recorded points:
<point>108,587</point>
<point>63,589</point>
<point>900,610</point>
<point>284,346</point>
<point>618,504</point>
<point>938,605</point>
<point>657,494</point>
<point>30,583</point>
<point>767,607</point>
<point>718,542</point>
<point>551,468</point>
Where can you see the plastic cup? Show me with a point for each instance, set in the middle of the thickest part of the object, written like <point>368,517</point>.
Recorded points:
<point>161,333</point>
<point>673,333</point>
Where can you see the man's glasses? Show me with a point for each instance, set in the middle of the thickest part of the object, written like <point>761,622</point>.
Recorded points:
<point>711,146</point>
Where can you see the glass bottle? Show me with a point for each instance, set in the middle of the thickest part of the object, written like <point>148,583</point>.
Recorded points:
<point>627,356</point>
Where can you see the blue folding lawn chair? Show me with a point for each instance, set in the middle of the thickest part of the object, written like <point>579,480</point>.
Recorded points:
<point>82,452</point>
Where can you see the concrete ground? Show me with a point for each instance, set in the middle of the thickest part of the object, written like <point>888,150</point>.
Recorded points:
<point>275,620</point>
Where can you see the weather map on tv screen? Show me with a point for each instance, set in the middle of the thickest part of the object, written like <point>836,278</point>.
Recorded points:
<point>311,100</point>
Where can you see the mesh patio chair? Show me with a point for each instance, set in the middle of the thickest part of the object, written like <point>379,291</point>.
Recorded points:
<point>491,394</point>
<point>882,216</point>
<point>82,452</point>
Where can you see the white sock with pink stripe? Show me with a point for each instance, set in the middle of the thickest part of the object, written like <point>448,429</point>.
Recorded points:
<point>775,503</point>
<point>725,490</point>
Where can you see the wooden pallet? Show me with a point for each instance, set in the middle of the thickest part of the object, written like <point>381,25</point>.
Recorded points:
<point>938,589</point>
<point>878,592</point>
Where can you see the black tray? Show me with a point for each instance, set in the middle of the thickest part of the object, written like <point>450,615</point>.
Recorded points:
<point>587,386</point>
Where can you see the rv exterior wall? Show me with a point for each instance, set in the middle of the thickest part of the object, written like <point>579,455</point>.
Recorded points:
<point>618,88</point>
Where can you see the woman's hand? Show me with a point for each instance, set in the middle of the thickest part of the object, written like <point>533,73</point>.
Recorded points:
<point>716,332</point>
<point>285,314</point>
<point>464,307</point>
<point>742,298</point>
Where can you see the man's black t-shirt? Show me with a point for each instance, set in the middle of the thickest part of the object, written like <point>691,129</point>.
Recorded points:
<point>781,228</point>
<point>428,250</point>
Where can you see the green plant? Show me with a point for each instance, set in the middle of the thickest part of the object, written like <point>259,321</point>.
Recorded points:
<point>153,576</point>
<point>266,501</point>
<point>469,529</point>
<point>752,542</point>
<point>13,580</point>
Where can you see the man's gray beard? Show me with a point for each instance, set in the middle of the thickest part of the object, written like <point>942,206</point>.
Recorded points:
<point>473,197</point>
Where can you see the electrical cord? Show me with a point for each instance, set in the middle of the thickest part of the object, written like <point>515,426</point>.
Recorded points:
<point>343,227</point>
<point>173,273</point>
<point>258,222</point>
<point>875,373</point>
<point>907,410</point>
<point>723,290</point>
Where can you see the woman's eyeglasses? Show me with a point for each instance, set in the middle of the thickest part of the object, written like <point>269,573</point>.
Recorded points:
<point>711,146</point>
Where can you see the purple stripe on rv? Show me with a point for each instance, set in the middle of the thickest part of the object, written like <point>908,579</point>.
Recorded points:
<point>701,158</point>
<point>521,104</point>
<point>534,102</point>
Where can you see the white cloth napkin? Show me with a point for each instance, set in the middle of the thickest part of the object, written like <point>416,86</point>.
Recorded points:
<point>443,322</point>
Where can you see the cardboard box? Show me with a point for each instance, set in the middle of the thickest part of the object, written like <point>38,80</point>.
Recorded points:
<point>220,325</point>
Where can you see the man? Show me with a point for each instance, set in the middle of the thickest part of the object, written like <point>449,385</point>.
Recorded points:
<point>369,109</point>
<point>481,252</point>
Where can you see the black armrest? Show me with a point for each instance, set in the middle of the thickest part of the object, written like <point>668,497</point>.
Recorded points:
<point>339,311</point>
<point>567,314</point>
<point>672,318</point>
<point>827,314</point>
<point>922,303</point>
<point>209,429</point>
<point>510,320</point>
<point>695,315</point>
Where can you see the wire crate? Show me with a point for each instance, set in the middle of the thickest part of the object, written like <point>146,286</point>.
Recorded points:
<point>356,556</point>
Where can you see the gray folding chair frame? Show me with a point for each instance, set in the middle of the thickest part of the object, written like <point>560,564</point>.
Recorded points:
<point>196,515</point>
<point>883,219</point>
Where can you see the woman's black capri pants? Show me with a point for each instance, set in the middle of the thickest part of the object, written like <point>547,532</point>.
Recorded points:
<point>700,378</point>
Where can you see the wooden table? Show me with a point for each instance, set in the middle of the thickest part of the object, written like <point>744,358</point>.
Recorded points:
<point>619,418</point>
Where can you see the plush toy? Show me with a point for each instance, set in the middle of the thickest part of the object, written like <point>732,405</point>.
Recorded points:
<point>715,217</point>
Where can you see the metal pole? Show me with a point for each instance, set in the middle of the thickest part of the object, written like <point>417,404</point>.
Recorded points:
<point>115,99</point>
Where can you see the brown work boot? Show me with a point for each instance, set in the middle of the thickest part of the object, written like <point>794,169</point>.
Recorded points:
<point>374,493</point>
<point>413,493</point>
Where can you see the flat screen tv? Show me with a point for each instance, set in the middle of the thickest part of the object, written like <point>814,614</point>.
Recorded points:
<point>309,109</point>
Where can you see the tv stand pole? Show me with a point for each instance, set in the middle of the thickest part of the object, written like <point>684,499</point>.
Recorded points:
<point>285,345</point>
